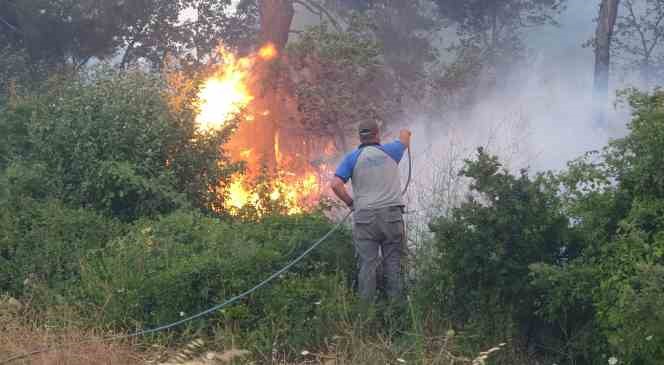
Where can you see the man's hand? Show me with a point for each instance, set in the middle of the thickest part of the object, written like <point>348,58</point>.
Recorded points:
<point>404,137</point>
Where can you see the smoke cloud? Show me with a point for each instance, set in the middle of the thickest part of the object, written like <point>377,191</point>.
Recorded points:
<point>542,116</point>
<point>539,119</point>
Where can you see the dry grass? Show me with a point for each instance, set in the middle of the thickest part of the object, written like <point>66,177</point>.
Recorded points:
<point>22,332</point>
<point>349,348</point>
<point>18,340</point>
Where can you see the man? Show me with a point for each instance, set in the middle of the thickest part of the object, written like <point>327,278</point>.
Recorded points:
<point>377,220</point>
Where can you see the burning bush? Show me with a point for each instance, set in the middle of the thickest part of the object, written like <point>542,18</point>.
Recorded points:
<point>295,113</point>
<point>232,91</point>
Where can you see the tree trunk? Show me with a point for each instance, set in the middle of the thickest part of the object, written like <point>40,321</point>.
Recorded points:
<point>275,19</point>
<point>608,13</point>
<point>645,71</point>
<point>264,133</point>
<point>125,57</point>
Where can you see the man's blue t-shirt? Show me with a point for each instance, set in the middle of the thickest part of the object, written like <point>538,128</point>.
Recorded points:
<point>374,171</point>
<point>344,171</point>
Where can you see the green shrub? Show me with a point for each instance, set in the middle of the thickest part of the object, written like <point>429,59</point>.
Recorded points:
<point>112,142</point>
<point>486,245</point>
<point>640,316</point>
<point>183,263</point>
<point>43,242</point>
<point>573,260</point>
<point>621,228</point>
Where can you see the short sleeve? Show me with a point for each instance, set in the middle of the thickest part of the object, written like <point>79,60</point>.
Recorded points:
<point>395,150</point>
<point>345,168</point>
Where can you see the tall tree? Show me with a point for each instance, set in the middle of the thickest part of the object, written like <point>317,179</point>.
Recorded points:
<point>495,26</point>
<point>154,31</point>
<point>68,33</point>
<point>276,17</point>
<point>608,13</point>
<point>212,22</point>
<point>639,38</point>
<point>340,81</point>
<point>404,30</point>
<point>62,32</point>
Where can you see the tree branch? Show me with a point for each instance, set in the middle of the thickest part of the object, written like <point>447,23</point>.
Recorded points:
<point>11,27</point>
<point>307,6</point>
<point>312,6</point>
<point>658,32</point>
<point>81,63</point>
<point>635,24</point>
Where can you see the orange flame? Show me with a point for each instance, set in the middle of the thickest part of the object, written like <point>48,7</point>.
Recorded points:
<point>239,196</point>
<point>223,95</point>
<point>292,194</point>
<point>268,52</point>
<point>221,98</point>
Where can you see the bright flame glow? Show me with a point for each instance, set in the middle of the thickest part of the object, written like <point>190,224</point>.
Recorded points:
<point>268,52</point>
<point>291,193</point>
<point>223,95</point>
<point>239,196</point>
<point>297,186</point>
<point>246,153</point>
<point>217,110</point>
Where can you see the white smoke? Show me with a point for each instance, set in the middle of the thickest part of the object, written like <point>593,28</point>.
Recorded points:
<point>540,119</point>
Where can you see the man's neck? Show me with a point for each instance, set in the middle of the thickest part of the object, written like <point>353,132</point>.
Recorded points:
<point>367,144</point>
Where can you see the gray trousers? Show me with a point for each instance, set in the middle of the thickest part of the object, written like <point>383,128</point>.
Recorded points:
<point>375,229</point>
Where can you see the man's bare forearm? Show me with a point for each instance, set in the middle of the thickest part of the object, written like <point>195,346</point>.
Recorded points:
<point>339,188</point>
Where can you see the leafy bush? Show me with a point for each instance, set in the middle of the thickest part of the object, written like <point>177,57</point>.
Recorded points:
<point>626,260</point>
<point>641,317</point>
<point>112,143</point>
<point>104,191</point>
<point>572,262</point>
<point>636,160</point>
<point>484,249</point>
<point>183,263</point>
<point>601,297</point>
<point>42,243</point>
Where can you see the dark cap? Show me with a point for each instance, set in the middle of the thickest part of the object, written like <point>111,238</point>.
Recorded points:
<point>368,127</point>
